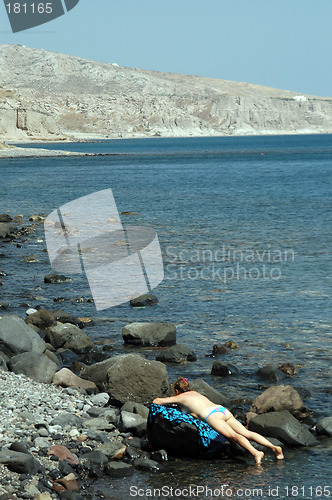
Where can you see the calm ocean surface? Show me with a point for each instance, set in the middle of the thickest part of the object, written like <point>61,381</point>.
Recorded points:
<point>245,230</point>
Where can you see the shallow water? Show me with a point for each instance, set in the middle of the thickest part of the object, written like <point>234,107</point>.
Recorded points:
<point>245,229</point>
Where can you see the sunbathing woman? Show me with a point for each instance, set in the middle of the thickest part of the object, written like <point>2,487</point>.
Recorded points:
<point>219,418</point>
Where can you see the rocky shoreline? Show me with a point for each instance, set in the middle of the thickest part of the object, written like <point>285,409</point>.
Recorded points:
<point>17,152</point>
<point>63,428</point>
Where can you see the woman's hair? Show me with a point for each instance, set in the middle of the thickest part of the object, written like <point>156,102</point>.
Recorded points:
<point>181,385</point>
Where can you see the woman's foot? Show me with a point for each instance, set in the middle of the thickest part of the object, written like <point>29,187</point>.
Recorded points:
<point>258,457</point>
<point>278,452</point>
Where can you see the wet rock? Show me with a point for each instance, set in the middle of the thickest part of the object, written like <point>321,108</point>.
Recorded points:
<point>146,464</point>
<point>70,337</point>
<point>159,456</point>
<point>270,373</point>
<point>3,305</point>
<point>20,462</point>
<point>56,278</point>
<point>114,450</point>
<point>41,319</point>
<point>178,353</point>
<point>30,259</point>
<point>149,334</point>
<point>218,349</point>
<point>131,422</point>
<point>288,369</point>
<point>231,345</point>
<point>282,425</point>
<point>324,426</point>
<point>278,398</point>
<point>34,365</point>
<point>148,299</point>
<point>118,469</point>
<point>5,218</point>
<point>205,389</point>
<point>64,317</point>
<point>220,369</point>
<point>67,378</point>
<point>37,218</point>
<point>16,337</point>
<point>4,229</point>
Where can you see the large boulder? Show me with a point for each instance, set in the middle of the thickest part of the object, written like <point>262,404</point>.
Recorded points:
<point>178,353</point>
<point>279,398</point>
<point>35,365</point>
<point>70,337</point>
<point>324,426</point>
<point>282,425</point>
<point>129,377</point>
<point>16,337</point>
<point>149,334</point>
<point>206,390</point>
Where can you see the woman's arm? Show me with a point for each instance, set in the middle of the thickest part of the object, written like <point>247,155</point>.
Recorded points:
<point>163,401</point>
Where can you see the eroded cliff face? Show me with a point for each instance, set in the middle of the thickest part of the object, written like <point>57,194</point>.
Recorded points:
<point>50,96</point>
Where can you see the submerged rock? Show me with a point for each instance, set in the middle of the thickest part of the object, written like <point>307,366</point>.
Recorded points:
<point>149,299</point>
<point>178,353</point>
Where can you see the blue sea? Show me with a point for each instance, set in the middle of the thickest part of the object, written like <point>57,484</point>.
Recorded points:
<point>244,225</point>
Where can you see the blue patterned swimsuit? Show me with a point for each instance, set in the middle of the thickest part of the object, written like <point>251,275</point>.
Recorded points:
<point>217,410</point>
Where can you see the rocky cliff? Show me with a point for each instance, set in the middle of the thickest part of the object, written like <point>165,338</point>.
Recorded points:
<point>46,96</point>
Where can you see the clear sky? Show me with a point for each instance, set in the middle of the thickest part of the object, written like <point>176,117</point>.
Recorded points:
<point>279,43</point>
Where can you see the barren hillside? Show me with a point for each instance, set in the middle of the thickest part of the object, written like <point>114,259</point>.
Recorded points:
<point>46,95</point>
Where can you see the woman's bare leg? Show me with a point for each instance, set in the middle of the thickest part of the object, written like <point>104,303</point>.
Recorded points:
<point>221,426</point>
<point>254,436</point>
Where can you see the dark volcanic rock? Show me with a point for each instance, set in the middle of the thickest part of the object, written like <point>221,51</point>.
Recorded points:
<point>19,462</point>
<point>118,469</point>
<point>16,337</point>
<point>324,426</point>
<point>178,353</point>
<point>151,334</point>
<point>56,278</point>
<point>41,319</point>
<point>205,389</point>
<point>34,365</point>
<point>70,337</point>
<point>282,425</point>
<point>5,218</point>
<point>270,373</point>
<point>129,377</point>
<point>278,398</point>
<point>220,369</point>
<point>149,299</point>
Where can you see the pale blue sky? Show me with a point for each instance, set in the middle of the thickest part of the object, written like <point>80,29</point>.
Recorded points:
<point>279,43</point>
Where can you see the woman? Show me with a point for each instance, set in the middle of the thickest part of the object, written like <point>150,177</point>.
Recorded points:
<point>219,418</point>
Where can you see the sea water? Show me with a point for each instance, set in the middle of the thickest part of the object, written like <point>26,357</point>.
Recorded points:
<point>244,224</point>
